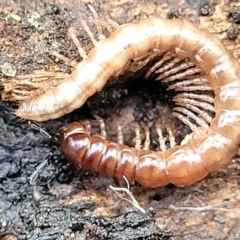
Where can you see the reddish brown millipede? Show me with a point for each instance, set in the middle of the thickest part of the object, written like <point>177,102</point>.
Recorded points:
<point>179,165</point>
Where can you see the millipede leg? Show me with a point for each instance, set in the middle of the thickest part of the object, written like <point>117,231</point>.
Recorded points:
<point>187,71</point>
<point>38,76</point>
<point>97,22</point>
<point>58,77</point>
<point>197,110</point>
<point>147,138</point>
<point>102,126</point>
<point>169,66</point>
<point>41,74</point>
<point>138,136</point>
<point>35,84</point>
<point>161,139</point>
<point>159,63</point>
<point>68,61</point>
<point>200,121</point>
<point>44,132</point>
<point>109,24</point>
<point>72,33</point>
<point>171,136</point>
<point>119,133</point>
<point>185,120</point>
<point>140,62</point>
<point>89,32</point>
<point>203,97</point>
<point>190,88</point>
<point>137,63</point>
<point>87,126</point>
<point>167,78</point>
<point>179,86</point>
<point>204,105</point>
<point>112,24</point>
<point>22,95</point>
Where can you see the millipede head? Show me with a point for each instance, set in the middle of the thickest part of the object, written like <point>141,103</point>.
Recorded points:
<point>74,141</point>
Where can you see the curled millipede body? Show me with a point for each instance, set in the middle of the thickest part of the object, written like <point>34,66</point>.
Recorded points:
<point>129,42</point>
<point>179,165</point>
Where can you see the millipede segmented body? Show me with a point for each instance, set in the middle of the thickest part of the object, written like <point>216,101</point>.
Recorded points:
<point>179,165</point>
<point>129,42</point>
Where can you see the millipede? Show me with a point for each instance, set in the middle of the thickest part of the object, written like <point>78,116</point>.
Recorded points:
<point>180,165</point>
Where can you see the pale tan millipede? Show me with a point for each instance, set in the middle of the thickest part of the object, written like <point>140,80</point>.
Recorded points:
<point>179,165</point>
<point>82,83</point>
